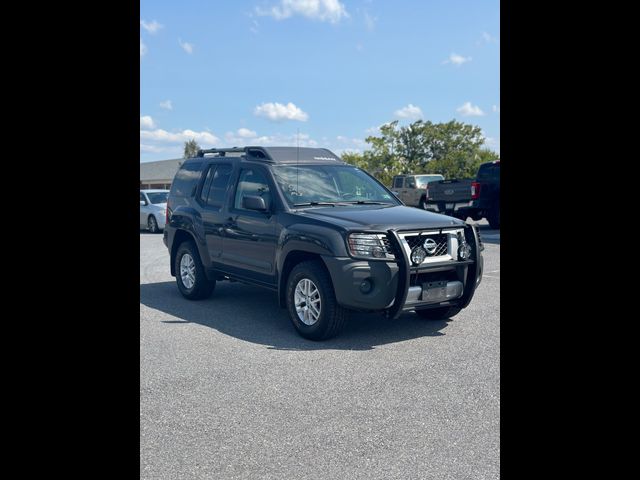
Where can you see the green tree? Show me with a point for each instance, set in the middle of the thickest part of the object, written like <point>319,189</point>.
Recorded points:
<point>453,149</point>
<point>191,148</point>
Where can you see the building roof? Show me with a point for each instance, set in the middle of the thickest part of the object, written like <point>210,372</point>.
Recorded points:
<point>159,170</point>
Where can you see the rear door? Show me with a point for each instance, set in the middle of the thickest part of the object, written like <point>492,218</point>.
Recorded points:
<point>212,197</point>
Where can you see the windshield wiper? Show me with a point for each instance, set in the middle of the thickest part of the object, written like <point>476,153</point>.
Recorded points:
<point>367,202</point>
<point>313,204</point>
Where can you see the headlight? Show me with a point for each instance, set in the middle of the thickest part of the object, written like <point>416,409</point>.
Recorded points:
<point>370,245</point>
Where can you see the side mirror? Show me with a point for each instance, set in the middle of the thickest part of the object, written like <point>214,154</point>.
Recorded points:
<point>143,203</point>
<point>412,185</point>
<point>254,202</point>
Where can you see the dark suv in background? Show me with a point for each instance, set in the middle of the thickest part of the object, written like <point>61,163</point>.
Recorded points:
<point>324,235</point>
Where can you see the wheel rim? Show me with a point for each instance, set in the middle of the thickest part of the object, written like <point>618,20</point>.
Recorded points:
<point>307,301</point>
<point>187,270</point>
<point>152,224</point>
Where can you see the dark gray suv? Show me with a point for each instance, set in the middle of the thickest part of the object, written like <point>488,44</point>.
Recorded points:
<point>324,235</point>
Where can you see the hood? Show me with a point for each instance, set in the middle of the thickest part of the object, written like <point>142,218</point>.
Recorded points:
<point>381,217</point>
<point>163,206</point>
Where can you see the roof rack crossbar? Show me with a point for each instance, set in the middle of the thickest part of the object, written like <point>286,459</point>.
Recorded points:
<point>221,151</point>
<point>258,152</point>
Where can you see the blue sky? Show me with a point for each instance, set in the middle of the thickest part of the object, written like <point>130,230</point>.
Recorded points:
<point>255,72</point>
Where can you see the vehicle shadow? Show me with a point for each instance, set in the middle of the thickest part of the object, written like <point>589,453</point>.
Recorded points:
<point>252,314</point>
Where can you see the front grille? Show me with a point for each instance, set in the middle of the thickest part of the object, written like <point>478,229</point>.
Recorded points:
<point>441,243</point>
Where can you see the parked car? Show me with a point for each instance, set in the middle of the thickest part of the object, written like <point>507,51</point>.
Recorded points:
<point>485,195</point>
<point>153,206</point>
<point>325,236</point>
<point>449,197</point>
<point>413,190</point>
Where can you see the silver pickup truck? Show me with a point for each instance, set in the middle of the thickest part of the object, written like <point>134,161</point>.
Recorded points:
<point>434,193</point>
<point>413,190</point>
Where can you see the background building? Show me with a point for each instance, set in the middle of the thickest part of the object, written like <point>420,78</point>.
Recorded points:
<point>158,174</point>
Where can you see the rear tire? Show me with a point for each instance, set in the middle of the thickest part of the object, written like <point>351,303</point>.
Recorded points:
<point>442,313</point>
<point>190,277</point>
<point>311,302</point>
<point>152,224</point>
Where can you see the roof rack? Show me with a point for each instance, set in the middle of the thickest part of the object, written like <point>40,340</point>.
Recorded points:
<point>258,152</point>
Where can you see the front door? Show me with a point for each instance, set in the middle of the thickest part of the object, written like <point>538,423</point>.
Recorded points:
<point>249,243</point>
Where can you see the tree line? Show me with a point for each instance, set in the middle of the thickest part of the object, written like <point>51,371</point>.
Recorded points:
<point>452,149</point>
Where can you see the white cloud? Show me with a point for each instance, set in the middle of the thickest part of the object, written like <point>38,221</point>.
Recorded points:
<point>278,112</point>
<point>468,110</point>
<point>487,38</point>
<point>143,48</point>
<point>254,27</point>
<point>146,123</point>
<point>410,112</point>
<point>246,133</point>
<point>323,10</point>
<point>496,108</point>
<point>457,60</point>
<point>153,148</point>
<point>369,21</point>
<point>163,136</point>
<point>167,105</point>
<point>151,27</point>
<point>186,46</point>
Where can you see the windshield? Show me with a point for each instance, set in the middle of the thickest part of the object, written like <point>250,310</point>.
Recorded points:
<point>341,184</point>
<point>422,180</point>
<point>158,197</point>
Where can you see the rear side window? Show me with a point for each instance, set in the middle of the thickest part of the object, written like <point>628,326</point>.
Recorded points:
<point>186,179</point>
<point>397,183</point>
<point>218,186</point>
<point>489,171</point>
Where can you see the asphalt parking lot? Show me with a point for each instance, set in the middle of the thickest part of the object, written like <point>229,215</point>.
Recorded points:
<point>229,390</point>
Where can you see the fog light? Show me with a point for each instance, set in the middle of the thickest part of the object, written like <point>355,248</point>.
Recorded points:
<point>418,255</point>
<point>464,251</point>
<point>366,286</point>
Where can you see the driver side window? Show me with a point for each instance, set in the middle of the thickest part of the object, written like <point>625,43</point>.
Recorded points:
<point>252,182</point>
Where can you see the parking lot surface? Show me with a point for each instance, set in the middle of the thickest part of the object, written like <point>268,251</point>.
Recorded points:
<point>229,390</point>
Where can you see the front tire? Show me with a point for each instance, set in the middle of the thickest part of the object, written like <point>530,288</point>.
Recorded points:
<point>311,302</point>
<point>152,224</point>
<point>441,313</point>
<point>190,276</point>
<point>423,203</point>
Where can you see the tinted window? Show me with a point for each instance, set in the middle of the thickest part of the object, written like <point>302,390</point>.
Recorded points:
<point>219,185</point>
<point>207,184</point>
<point>158,197</point>
<point>489,171</point>
<point>252,182</point>
<point>398,183</point>
<point>142,199</point>
<point>186,178</point>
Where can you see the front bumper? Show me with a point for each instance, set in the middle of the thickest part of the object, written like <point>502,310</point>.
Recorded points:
<point>398,286</point>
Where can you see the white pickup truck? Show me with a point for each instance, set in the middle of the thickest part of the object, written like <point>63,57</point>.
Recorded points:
<point>413,190</point>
